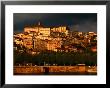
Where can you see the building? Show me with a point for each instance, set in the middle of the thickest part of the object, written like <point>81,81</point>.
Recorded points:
<point>45,31</point>
<point>54,44</point>
<point>27,42</point>
<point>92,33</point>
<point>30,29</point>
<point>80,33</point>
<point>40,38</point>
<point>62,29</point>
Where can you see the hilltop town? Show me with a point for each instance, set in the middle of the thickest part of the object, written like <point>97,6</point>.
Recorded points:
<point>58,39</point>
<point>39,49</point>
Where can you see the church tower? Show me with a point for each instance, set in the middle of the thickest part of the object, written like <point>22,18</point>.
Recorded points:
<point>39,23</point>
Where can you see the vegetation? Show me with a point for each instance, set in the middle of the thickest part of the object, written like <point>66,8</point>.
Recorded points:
<point>59,58</point>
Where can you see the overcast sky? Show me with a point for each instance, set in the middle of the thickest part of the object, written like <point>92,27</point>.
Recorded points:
<point>75,21</point>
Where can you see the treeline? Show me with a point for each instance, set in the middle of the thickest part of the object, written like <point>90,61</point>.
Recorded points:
<point>59,58</point>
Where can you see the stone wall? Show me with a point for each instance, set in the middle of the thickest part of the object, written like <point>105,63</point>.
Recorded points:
<point>39,69</point>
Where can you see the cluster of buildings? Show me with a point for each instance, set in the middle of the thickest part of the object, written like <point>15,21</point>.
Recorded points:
<point>58,38</point>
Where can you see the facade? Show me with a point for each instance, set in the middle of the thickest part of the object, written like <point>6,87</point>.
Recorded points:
<point>42,37</point>
<point>48,38</point>
<point>30,29</point>
<point>45,31</point>
<point>62,29</point>
<point>27,42</point>
<point>54,44</point>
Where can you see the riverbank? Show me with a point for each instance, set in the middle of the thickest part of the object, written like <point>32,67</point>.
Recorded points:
<point>59,73</point>
<point>55,70</point>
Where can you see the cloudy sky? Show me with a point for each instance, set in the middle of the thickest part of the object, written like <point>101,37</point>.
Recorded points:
<point>75,21</point>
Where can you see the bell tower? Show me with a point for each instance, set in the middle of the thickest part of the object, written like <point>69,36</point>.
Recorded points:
<point>39,23</point>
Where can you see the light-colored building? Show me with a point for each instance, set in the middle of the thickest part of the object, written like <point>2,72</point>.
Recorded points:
<point>92,33</point>
<point>62,29</point>
<point>80,33</point>
<point>54,44</point>
<point>27,41</point>
<point>38,29</point>
<point>41,36</point>
<point>44,31</point>
<point>18,42</point>
<point>30,29</point>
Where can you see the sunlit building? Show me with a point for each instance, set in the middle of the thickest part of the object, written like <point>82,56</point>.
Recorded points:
<point>27,42</point>
<point>54,44</point>
<point>39,37</point>
<point>92,33</point>
<point>30,29</point>
<point>80,33</point>
<point>39,29</point>
<point>45,31</point>
<point>62,29</point>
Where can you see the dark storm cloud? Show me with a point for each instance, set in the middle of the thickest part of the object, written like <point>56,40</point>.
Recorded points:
<point>86,26</point>
<point>79,21</point>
